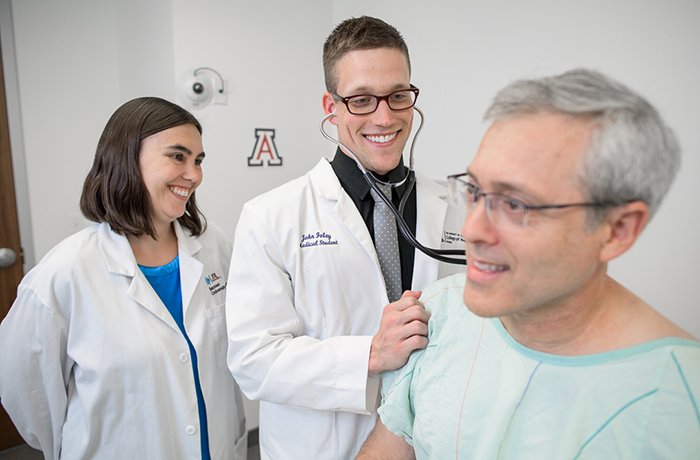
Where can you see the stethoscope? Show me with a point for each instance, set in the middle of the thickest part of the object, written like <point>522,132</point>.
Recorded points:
<point>443,255</point>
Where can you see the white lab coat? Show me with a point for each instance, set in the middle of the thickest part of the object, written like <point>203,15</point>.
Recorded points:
<point>305,297</point>
<point>94,366</point>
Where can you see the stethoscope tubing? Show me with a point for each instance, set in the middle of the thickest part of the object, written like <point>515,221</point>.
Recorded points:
<point>441,255</point>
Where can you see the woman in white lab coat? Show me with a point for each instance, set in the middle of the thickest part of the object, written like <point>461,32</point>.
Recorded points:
<point>116,344</point>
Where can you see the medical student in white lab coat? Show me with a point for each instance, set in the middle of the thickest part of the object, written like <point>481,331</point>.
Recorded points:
<point>310,323</point>
<point>116,344</point>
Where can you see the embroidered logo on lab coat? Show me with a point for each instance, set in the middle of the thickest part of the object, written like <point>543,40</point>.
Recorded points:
<point>317,239</point>
<point>214,283</point>
<point>452,237</point>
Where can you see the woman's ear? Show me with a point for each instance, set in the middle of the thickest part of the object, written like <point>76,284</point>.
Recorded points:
<point>625,224</point>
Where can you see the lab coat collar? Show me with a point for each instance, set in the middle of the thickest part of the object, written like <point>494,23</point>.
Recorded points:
<point>185,241</point>
<point>432,209</point>
<point>116,250</point>
<point>435,188</point>
<point>120,260</point>
<point>326,185</point>
<point>190,268</point>
<point>323,179</point>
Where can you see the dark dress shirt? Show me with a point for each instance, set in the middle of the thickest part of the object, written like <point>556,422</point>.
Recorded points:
<point>356,186</point>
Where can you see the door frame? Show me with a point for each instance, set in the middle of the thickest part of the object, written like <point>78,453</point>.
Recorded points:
<point>11,108</point>
<point>14,121</point>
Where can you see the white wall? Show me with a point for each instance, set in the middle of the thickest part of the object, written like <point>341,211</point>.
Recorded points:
<point>78,60</point>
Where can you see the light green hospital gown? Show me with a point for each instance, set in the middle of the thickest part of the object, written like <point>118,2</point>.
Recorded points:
<point>476,393</point>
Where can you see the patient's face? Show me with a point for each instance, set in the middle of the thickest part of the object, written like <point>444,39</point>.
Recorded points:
<point>515,270</point>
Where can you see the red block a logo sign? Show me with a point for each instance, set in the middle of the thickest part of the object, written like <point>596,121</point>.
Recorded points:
<point>265,152</point>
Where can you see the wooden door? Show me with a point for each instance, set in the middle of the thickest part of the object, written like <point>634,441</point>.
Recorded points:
<point>9,238</point>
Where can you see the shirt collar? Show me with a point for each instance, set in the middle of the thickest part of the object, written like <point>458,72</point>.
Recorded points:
<point>354,182</point>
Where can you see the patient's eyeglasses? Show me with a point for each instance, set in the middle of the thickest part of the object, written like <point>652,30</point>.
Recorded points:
<point>501,208</point>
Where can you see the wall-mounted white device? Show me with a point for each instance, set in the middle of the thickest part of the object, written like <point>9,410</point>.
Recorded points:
<point>200,88</point>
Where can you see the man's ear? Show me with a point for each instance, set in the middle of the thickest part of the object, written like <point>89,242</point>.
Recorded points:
<point>329,106</point>
<point>625,223</point>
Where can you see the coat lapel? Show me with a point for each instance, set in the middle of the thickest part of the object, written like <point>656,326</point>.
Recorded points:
<point>190,268</point>
<point>121,262</point>
<point>327,186</point>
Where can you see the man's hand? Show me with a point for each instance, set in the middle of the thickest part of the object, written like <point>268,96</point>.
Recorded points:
<point>403,328</point>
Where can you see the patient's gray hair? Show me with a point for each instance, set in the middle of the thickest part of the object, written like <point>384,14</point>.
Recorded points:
<point>632,156</point>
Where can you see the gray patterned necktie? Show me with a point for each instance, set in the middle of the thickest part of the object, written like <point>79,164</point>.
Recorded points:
<point>387,244</point>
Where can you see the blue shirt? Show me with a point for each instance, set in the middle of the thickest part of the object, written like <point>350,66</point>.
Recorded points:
<point>165,280</point>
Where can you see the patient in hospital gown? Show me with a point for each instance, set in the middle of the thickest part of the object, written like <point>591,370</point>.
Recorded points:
<point>538,353</point>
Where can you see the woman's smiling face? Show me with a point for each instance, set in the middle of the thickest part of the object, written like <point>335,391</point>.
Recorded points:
<point>171,168</point>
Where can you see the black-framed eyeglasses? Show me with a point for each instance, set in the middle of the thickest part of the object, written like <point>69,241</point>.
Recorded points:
<point>363,104</point>
<point>501,208</point>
